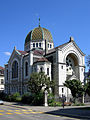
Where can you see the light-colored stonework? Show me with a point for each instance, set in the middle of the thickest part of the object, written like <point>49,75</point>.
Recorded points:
<point>62,63</point>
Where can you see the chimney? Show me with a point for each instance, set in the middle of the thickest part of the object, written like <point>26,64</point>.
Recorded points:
<point>46,47</point>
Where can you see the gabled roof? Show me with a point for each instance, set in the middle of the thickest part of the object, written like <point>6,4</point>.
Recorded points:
<point>54,49</point>
<point>19,53</point>
<point>22,52</point>
<point>63,45</point>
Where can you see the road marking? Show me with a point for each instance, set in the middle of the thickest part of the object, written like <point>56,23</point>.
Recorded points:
<point>1,110</point>
<point>40,112</point>
<point>1,114</point>
<point>26,112</point>
<point>9,113</point>
<point>18,113</point>
<point>29,110</point>
<point>17,110</point>
<point>10,110</point>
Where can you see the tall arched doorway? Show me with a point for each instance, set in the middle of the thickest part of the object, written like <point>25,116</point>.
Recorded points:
<point>72,67</point>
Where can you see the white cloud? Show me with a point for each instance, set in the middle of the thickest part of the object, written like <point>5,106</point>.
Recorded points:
<point>7,53</point>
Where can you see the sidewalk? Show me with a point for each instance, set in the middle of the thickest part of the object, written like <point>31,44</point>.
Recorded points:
<point>70,111</point>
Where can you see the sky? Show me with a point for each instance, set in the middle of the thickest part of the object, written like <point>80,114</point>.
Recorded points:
<point>63,18</point>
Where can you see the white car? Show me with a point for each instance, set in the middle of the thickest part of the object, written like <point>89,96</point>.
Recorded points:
<point>1,102</point>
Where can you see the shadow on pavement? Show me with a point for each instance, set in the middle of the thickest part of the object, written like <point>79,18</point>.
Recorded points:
<point>80,113</point>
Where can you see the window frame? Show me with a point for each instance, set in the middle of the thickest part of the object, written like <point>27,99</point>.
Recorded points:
<point>15,73</point>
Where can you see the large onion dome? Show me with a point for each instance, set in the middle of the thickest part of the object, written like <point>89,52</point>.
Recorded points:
<point>39,33</point>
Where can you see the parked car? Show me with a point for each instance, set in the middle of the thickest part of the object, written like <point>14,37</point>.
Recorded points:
<point>1,102</point>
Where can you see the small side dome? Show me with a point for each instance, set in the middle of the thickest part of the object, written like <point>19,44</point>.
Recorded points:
<point>39,33</point>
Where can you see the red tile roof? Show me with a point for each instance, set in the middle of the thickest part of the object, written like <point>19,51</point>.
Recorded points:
<point>1,68</point>
<point>43,59</point>
<point>38,52</point>
<point>22,52</point>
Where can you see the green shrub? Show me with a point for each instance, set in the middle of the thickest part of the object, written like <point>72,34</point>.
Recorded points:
<point>78,104</point>
<point>52,102</point>
<point>18,99</point>
<point>3,95</point>
<point>15,96</point>
<point>27,98</point>
<point>8,98</point>
<point>38,99</point>
<point>51,98</point>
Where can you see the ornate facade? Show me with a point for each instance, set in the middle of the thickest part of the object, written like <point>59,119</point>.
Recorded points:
<point>60,63</point>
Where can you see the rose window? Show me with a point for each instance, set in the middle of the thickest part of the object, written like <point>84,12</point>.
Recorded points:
<point>69,65</point>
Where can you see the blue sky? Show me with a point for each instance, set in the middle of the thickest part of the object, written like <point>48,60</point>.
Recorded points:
<point>63,18</point>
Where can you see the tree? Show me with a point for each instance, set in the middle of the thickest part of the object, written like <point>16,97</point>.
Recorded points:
<point>75,86</point>
<point>87,88</point>
<point>87,83</point>
<point>88,61</point>
<point>38,81</point>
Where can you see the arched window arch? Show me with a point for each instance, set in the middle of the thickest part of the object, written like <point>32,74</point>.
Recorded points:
<point>41,69</point>
<point>26,68</point>
<point>15,69</point>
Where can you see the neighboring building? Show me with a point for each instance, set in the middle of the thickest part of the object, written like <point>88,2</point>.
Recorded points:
<point>61,63</point>
<point>1,79</point>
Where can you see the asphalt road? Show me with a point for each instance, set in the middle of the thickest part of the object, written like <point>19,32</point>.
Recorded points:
<point>13,113</point>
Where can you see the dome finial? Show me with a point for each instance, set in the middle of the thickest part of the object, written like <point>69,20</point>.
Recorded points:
<point>39,21</point>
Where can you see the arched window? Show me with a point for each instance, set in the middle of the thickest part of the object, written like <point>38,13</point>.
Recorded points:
<point>40,45</point>
<point>15,69</point>
<point>47,71</point>
<point>33,44</point>
<point>36,44</point>
<point>50,46</point>
<point>41,69</point>
<point>26,68</point>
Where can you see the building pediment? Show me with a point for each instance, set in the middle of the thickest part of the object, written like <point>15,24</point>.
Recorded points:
<point>14,54</point>
<point>71,45</point>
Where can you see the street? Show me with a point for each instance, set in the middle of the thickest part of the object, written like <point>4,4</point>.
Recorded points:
<point>13,113</point>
